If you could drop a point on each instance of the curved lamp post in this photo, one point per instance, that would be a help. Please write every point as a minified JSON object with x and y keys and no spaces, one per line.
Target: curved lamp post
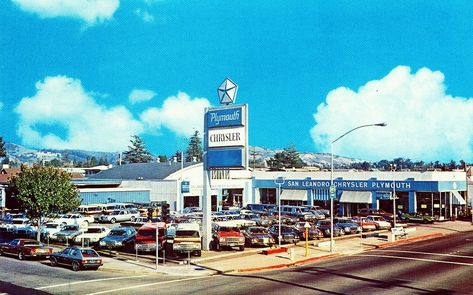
{"x":332,"y":188}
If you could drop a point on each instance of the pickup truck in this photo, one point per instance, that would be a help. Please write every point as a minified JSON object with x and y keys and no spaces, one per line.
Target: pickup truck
{"x":120,"y":215}
{"x":227,"y":236}
{"x":146,"y":237}
{"x":187,"y":239}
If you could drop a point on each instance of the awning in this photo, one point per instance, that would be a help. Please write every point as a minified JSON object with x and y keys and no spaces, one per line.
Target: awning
{"x":458,"y":199}
{"x":294,"y":195}
{"x":363,"y":197}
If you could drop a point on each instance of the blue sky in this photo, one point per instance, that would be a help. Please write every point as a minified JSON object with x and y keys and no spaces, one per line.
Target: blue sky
{"x":88,"y":74}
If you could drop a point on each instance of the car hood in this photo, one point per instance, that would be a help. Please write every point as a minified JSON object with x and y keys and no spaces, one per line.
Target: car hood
{"x":68,"y":233}
{"x":229,"y":234}
{"x":259,"y":236}
{"x":115,"y":238}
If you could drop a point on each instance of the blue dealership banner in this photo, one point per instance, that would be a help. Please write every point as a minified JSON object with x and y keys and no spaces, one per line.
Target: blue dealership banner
{"x":185,"y":186}
{"x":225,"y":117}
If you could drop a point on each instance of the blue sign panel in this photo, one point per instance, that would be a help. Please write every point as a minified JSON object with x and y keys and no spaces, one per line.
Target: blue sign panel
{"x":226,"y":158}
{"x":185,"y":186}
{"x":225,"y":117}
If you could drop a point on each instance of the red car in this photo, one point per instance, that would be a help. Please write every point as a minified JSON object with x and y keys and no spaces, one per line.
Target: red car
{"x":371,"y":211}
{"x":23,"y":248}
{"x":366,"y":225}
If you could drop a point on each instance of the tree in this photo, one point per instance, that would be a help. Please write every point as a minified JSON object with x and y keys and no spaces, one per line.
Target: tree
{"x":137,"y":152}
{"x":195,"y":148}
{"x":288,"y":158}
{"x":3,"y":151}
{"x":162,"y":158}
{"x":44,"y":192}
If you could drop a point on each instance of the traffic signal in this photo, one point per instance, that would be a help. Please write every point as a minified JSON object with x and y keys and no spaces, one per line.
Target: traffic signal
{"x":165,"y":211}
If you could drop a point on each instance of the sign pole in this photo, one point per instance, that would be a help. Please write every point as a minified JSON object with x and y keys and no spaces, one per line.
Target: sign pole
{"x":307,"y":226}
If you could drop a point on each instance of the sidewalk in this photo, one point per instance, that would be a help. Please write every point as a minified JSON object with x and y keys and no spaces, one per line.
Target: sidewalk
{"x":253,"y":260}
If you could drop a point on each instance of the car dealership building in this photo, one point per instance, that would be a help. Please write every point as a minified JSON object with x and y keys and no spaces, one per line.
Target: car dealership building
{"x":437,"y":193}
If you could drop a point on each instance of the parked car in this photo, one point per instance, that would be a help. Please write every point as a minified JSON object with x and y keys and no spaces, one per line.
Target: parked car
{"x":23,"y":248}
{"x":92,"y":235}
{"x":28,"y":231}
{"x":260,"y":221}
{"x":13,"y":224}
{"x":288,"y":234}
{"x":77,"y":258}
{"x":49,"y":229}
{"x":74,"y":218}
{"x":348,"y":226}
{"x":68,"y":233}
{"x":120,"y":215}
{"x":366,"y":225}
{"x":314,"y":232}
{"x":137,"y":223}
{"x":119,"y":237}
{"x":381,"y":223}
{"x":372,"y":211}
{"x":417,"y":218}
{"x":227,"y":236}
{"x":325,"y":227}
{"x":187,"y":238}
{"x":258,"y":236}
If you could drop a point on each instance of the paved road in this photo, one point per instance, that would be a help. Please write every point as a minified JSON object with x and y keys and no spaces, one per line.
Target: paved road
{"x":440,"y":266}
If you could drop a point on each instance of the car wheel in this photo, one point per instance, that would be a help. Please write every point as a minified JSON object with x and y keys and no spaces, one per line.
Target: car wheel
{"x":21,"y":256}
{"x":1,"y":253}
{"x":241,"y":248}
{"x":198,"y":253}
{"x":112,"y":220}
{"x":132,"y":219}
{"x":53,"y":261}
{"x":75,"y":266}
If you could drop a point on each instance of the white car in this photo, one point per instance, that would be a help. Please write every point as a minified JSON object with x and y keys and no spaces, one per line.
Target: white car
{"x":381,"y":223}
{"x":15,"y":223}
{"x":93,"y":234}
{"x":50,"y":228}
{"x":120,"y":215}
{"x":74,"y":218}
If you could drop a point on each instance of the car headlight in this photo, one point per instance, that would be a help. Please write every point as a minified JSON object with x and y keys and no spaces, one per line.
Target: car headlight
{"x":102,"y":243}
{"x":254,"y":240}
{"x":221,"y":239}
{"x":241,"y":239}
{"x":347,"y":228}
{"x":327,"y":231}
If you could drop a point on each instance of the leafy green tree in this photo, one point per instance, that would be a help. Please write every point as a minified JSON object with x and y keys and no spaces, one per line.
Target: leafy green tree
{"x":44,"y":192}
{"x":288,"y":158}
{"x":162,"y":158}
{"x":137,"y":152}
{"x":54,"y":163}
{"x":195,"y":148}
{"x":3,"y":151}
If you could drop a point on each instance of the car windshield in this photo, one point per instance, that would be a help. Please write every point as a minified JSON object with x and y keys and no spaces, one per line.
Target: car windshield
{"x":324,"y":223}
{"x":187,"y":233}
{"x":150,"y":232}
{"x":70,"y":227}
{"x":18,"y":221}
{"x":118,"y":233}
{"x":89,"y":253}
{"x":258,"y":230}
{"x":51,"y":225}
{"x":94,"y":230}
{"x":116,"y":212}
{"x":229,"y":229}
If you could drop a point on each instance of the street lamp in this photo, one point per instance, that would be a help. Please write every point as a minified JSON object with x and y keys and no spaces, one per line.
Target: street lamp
{"x":279,"y":181}
{"x":332,"y":187}
{"x":393,"y":168}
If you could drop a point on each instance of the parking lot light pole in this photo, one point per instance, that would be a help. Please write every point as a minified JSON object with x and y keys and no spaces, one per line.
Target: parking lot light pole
{"x":279,"y":181}
{"x":331,"y":175}
{"x":393,"y":169}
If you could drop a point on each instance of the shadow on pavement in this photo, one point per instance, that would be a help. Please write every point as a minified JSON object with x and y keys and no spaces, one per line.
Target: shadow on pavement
{"x":12,"y":289}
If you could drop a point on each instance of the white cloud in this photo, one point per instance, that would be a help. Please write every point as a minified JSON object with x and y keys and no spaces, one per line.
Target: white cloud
{"x":145,"y":15}
{"x":62,"y":102}
{"x":424,"y":123}
{"x":141,"y":95}
{"x":180,"y":114}
{"x":90,"y":11}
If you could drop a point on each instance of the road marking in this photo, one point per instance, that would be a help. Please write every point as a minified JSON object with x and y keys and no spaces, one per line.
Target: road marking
{"x":427,"y":253}
{"x":88,"y":281}
{"x":416,"y":259}
{"x":147,"y":285}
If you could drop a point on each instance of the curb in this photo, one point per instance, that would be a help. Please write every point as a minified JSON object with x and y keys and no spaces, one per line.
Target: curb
{"x":285,"y":265}
{"x":410,"y":240}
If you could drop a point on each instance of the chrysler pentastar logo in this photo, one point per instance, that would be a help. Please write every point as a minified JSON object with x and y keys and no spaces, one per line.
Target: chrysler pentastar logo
{"x":227,"y":91}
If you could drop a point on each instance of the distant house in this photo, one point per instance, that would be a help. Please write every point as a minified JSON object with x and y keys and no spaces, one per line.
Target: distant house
{"x":5,"y":174}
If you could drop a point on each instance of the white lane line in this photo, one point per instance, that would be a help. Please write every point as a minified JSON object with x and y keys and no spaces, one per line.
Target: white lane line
{"x":147,"y":285}
{"x":88,"y":281}
{"x":427,"y":253}
{"x":416,"y":259}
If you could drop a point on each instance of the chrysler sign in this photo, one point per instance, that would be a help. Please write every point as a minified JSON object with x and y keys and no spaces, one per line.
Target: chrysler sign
{"x":227,"y":137}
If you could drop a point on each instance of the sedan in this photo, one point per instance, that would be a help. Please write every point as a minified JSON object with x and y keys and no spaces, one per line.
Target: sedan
{"x":288,"y":234}
{"x":77,"y":258}
{"x":23,"y":248}
{"x":314,"y":232}
{"x":258,"y":236}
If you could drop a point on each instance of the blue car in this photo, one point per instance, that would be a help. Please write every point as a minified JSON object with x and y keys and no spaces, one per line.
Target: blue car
{"x":119,"y":237}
